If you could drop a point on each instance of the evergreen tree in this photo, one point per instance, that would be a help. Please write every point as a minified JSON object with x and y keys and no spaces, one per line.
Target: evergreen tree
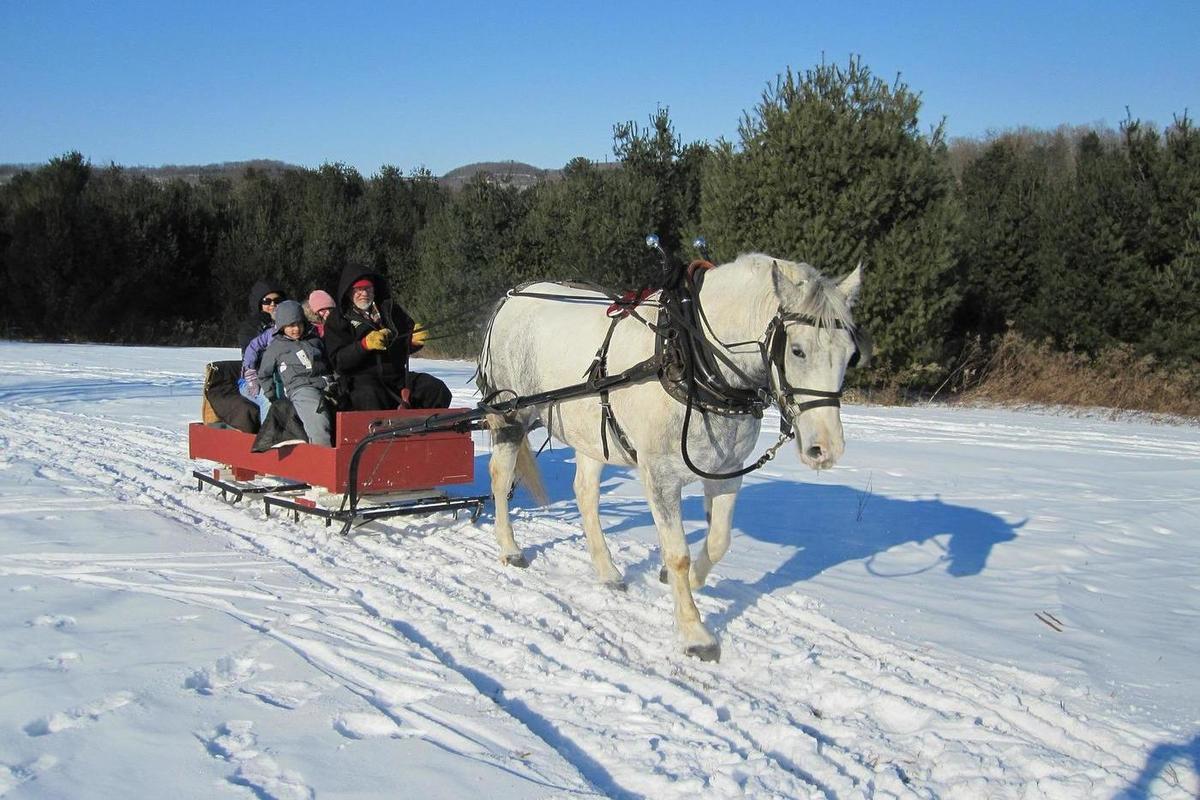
{"x":46,"y":215}
{"x":261,"y":241}
{"x":1094,"y":285}
{"x":590,"y":225}
{"x":831,"y":169}
{"x":328,"y":207}
{"x":1003,"y":199}
{"x":397,"y":207}
{"x":468,"y":254}
{"x":1173,"y":245}
{"x":657,"y":161}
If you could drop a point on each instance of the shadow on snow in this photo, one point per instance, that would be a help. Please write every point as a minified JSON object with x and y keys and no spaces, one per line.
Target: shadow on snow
{"x":1161,"y":768}
{"x":824,"y":524}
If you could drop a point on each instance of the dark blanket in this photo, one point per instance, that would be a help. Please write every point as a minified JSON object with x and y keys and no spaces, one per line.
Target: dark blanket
{"x":281,"y":427}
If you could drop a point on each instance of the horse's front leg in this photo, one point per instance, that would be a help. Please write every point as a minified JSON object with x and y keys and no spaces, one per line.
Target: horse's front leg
{"x":587,"y":496}
{"x":507,"y":441}
{"x":664,"y":492}
{"x":719,"y":499}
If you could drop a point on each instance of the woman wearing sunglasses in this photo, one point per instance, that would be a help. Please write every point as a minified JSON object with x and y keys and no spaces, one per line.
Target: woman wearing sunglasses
{"x":263,"y":295}
{"x":253,"y":337}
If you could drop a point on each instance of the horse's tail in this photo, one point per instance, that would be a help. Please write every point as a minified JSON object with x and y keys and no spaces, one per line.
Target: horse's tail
{"x":526,"y":470}
{"x":528,"y":473}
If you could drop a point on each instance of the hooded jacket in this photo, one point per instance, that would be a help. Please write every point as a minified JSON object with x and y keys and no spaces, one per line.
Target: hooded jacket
{"x":344,"y":333}
{"x":257,"y":320}
{"x":300,"y":362}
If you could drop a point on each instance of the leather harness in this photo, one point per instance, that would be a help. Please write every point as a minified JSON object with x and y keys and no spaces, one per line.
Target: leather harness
{"x":686,"y":363}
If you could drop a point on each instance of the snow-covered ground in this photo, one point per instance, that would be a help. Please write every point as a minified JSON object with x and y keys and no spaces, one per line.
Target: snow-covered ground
{"x":974,"y":603}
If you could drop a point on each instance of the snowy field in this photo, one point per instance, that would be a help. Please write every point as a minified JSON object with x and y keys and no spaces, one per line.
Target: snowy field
{"x":973,"y":604}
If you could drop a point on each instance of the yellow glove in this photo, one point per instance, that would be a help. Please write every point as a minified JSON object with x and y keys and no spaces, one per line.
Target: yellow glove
{"x":377,"y":340}
{"x":419,"y":335}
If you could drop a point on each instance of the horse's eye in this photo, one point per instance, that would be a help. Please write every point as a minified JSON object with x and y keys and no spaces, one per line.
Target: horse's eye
{"x":854,"y":359}
{"x":797,"y":352}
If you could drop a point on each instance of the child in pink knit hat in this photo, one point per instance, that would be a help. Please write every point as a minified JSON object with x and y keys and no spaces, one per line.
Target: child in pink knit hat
{"x":321,"y":303}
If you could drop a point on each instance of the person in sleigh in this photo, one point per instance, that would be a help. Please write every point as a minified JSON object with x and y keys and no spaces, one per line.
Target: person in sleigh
{"x":369,"y":343}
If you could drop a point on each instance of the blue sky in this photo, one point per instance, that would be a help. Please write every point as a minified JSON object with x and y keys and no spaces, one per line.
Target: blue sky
{"x":445,"y":84}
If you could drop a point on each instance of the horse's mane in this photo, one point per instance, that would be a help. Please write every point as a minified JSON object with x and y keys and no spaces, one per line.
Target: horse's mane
{"x":819,"y":295}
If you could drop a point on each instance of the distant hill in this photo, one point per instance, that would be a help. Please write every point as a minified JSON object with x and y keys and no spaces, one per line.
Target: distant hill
{"x":512,"y":173}
{"x":192,"y":173}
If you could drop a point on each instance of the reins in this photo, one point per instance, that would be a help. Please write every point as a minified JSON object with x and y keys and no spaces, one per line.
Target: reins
{"x":685,"y":362}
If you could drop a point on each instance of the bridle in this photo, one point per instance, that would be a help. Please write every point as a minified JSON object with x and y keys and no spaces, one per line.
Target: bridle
{"x":781,"y":389}
{"x":772,"y":346}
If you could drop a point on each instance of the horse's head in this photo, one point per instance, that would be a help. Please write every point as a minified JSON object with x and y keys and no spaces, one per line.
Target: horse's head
{"x":813,"y":345}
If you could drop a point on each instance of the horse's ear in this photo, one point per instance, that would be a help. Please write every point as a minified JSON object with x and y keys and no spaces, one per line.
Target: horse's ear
{"x":850,"y":284}
{"x":785,"y":288}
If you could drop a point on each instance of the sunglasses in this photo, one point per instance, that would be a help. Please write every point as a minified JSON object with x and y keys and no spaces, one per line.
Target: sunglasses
{"x":272,"y":301}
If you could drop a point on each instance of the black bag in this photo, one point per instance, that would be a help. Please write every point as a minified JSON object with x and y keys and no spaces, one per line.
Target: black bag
{"x":223,"y":402}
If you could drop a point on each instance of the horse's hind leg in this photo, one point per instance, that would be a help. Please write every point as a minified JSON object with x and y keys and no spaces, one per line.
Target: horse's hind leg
{"x":719,"y":499}
{"x":587,"y":496}
{"x":507,"y":441}
{"x":663,"y":492}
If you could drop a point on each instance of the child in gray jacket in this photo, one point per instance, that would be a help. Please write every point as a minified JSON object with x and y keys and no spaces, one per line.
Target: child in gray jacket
{"x":298,"y":354}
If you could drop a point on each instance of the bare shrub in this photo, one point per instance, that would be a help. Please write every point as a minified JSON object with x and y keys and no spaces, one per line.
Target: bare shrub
{"x":1021,"y":370}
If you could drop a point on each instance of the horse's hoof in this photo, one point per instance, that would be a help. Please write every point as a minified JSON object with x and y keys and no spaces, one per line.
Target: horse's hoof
{"x":517,"y":560}
{"x":704,"y":652}
{"x":617,"y":586}
{"x":662,"y":575}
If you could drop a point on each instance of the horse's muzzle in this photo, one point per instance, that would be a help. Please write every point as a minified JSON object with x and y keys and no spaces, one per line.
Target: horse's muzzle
{"x":822,"y":445}
{"x":818,"y":457}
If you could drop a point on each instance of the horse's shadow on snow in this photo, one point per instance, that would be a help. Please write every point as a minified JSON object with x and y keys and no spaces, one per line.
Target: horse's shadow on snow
{"x":819,"y":526}
{"x":826,"y":525}
{"x":1161,"y":768}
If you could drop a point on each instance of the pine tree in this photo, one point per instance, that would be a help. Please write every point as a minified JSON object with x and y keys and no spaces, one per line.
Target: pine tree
{"x":831,"y":169}
{"x":467,"y":255}
{"x":46,"y":218}
{"x":1174,"y":250}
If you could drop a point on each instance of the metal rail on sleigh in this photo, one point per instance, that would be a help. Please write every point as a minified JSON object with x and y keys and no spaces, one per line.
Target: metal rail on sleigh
{"x":471,"y":420}
{"x":290,"y":496}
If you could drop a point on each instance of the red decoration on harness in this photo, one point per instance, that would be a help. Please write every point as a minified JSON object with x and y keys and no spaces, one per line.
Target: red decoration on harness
{"x":627,"y":302}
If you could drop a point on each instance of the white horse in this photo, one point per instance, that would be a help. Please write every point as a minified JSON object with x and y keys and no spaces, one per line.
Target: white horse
{"x":535,"y":344}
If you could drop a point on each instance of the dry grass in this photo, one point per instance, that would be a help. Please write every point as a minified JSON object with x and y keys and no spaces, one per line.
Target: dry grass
{"x":1022,"y":371}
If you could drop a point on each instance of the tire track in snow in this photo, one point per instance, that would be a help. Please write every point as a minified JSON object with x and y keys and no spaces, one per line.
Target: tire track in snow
{"x":610,"y":660}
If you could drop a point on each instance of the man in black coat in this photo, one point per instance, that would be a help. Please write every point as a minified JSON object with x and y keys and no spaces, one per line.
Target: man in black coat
{"x":369,"y":343}
{"x":263,"y":298}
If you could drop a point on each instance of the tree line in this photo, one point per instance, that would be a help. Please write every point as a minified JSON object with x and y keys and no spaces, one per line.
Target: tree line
{"x":1086,"y":238}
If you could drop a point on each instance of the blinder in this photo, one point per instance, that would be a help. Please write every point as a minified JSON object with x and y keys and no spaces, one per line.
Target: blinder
{"x":864,"y":348}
